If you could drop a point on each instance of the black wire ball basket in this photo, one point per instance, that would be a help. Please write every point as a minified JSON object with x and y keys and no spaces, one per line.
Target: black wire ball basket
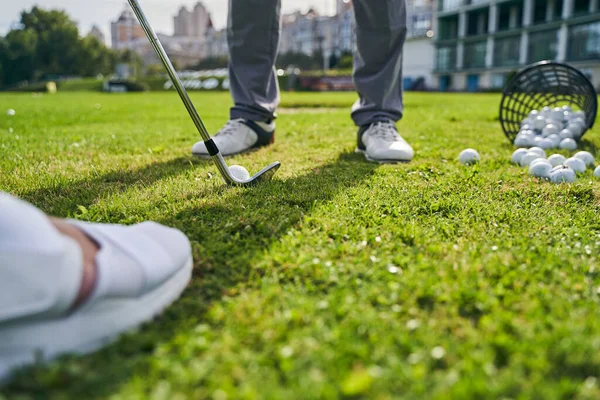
{"x":546,"y":84}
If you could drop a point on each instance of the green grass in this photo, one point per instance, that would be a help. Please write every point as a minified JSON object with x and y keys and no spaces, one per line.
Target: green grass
{"x":340,"y":278}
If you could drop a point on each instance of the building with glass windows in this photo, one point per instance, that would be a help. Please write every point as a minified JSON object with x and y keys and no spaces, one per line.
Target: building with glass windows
{"x":479,"y":44}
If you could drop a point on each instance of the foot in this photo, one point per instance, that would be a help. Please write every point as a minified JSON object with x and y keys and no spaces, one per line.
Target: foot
{"x":239,"y":136}
{"x":73,"y":287}
{"x":381,"y":142}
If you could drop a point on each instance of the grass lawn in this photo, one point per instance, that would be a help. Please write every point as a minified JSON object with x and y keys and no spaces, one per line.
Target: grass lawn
{"x":340,"y":278}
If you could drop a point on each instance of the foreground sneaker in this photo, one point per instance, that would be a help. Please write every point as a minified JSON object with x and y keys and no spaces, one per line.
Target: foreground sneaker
{"x":381,"y":142}
{"x":140,"y":270}
{"x":239,"y":136}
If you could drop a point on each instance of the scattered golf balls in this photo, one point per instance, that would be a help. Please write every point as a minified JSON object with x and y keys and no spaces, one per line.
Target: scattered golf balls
{"x":576,"y":165}
{"x":586,"y":157}
{"x":562,"y":174}
{"x":239,"y":172}
{"x":597,"y":172}
{"x":469,"y":157}
{"x":10,"y":112}
{"x":557,"y":159}
{"x":518,"y":155}
{"x":568,"y":144}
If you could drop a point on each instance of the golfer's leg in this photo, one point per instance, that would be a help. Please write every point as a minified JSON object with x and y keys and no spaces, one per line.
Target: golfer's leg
{"x":381,"y":31}
{"x":253,"y":37}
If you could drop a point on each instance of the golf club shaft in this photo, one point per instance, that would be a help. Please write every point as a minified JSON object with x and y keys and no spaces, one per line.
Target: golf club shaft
{"x":164,"y":58}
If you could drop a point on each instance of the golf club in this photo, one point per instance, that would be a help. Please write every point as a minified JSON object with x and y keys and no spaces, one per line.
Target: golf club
{"x":265,"y":174}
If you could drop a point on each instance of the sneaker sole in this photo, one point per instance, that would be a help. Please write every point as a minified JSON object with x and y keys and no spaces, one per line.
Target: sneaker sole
{"x":88,"y":329}
{"x":363,"y":152}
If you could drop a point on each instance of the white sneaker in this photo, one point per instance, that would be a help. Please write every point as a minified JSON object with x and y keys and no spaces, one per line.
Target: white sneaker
{"x":141,"y":270}
{"x":381,"y":142}
{"x":239,"y":136}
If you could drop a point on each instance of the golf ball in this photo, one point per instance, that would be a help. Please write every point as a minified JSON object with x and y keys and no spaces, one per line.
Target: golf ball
{"x":566,"y":134}
{"x":10,"y":112}
{"x":533,"y":114}
{"x":555,"y":140}
{"x":575,"y":128}
{"x":579,"y":114}
{"x":539,"y":123}
{"x":586,"y":157}
{"x":562,"y":174}
{"x":567,"y":108}
{"x":239,"y":172}
{"x":528,"y":158}
{"x":557,"y":114}
{"x":540,"y":169}
{"x":523,"y":140}
{"x":546,"y":144}
{"x":568,"y":144}
{"x":557,"y":159}
{"x":518,"y":155}
{"x":546,"y":111}
{"x":597,"y":172}
{"x":538,"y":150}
{"x":575,"y":164}
{"x":469,"y":157}
{"x":550,"y":129}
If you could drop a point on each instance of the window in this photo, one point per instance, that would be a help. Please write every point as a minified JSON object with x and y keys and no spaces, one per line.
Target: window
{"x":507,"y":51}
{"x":543,"y":45}
{"x":498,"y":81}
{"x":584,"y":42}
{"x":477,"y":22}
{"x":581,"y":7}
{"x":510,"y":16}
{"x":448,"y":28}
{"x":446,"y":5}
{"x":539,"y":11}
{"x":475,"y":54}
{"x":446,"y":58}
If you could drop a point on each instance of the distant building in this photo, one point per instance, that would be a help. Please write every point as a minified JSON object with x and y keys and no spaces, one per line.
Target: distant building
{"x":193,"y":23}
{"x":480,"y":44}
{"x":97,"y":33}
{"x":216,"y":43}
{"x":126,"y":31}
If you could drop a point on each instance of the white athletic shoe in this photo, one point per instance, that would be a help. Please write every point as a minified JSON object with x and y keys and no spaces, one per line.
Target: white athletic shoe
{"x":239,"y":136}
{"x":381,"y":142}
{"x":141,"y":270}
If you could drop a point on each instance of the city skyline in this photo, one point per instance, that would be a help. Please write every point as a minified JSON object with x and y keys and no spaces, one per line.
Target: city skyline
{"x":159,"y":12}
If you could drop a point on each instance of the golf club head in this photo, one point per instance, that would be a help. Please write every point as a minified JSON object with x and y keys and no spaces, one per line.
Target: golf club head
{"x":263,"y":175}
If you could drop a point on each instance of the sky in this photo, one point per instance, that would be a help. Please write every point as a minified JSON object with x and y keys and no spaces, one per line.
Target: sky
{"x":159,"y":12}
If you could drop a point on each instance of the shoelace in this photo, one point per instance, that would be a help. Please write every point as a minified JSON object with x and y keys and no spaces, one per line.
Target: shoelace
{"x":230,"y":128}
{"x":384,"y":130}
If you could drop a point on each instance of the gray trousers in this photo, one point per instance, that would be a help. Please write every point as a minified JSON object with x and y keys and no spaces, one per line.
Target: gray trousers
{"x":253,"y":36}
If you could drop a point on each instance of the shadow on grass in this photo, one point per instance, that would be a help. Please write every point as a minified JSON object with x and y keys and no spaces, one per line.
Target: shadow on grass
{"x":228,"y":239}
{"x":61,"y":198}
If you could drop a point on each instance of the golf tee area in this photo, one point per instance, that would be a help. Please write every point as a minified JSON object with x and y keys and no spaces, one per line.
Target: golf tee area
{"x":339,"y":278}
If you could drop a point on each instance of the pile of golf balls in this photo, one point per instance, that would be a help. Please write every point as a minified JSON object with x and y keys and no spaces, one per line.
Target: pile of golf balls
{"x":552,"y":128}
{"x":556,"y":168}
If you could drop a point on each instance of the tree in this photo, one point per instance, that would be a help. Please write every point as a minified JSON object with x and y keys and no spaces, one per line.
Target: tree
{"x":17,"y":56}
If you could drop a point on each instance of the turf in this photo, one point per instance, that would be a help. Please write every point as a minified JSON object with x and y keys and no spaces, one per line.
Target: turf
{"x":340,"y":278}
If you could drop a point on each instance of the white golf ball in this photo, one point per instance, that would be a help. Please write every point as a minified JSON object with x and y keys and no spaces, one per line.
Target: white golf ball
{"x":239,"y":172}
{"x":538,"y":150}
{"x":555,"y":140}
{"x":550,"y":129}
{"x":546,"y":144}
{"x":539,"y":123}
{"x":557,"y":159}
{"x":533,"y":114}
{"x":575,"y":164}
{"x":575,"y":128}
{"x":540,"y":169}
{"x":517,"y":155}
{"x":469,"y":157}
{"x":567,"y":108}
{"x":523,"y":140}
{"x":579,"y":114}
{"x":546,"y":111}
{"x":568,"y":144}
{"x":537,"y":139}
{"x":10,"y":112}
{"x":566,"y":134}
{"x":597,"y":172}
{"x":526,"y":121}
{"x":557,"y":114}
{"x":586,"y":157}
{"x":562,"y":174}
{"x":528,"y":158}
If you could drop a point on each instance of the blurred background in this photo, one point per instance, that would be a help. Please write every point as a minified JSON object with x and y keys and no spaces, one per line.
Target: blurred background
{"x":452,"y":45}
